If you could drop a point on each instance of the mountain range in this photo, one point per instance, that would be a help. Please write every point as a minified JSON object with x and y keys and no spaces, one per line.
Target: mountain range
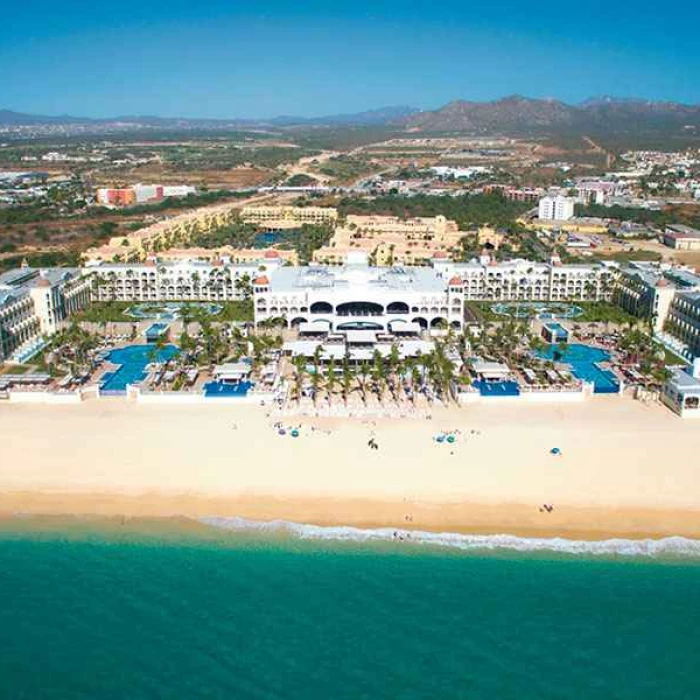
{"x":514,"y":115}
{"x":523,"y":115}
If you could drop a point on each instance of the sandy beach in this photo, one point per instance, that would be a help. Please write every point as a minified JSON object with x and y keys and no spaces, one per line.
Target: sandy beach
{"x":626,"y":469}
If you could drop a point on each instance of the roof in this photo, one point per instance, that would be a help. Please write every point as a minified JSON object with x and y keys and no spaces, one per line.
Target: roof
{"x":364,"y":278}
{"x":455,"y":282}
{"x":491,"y":369}
{"x":682,"y":379}
{"x":681,"y":231}
{"x":361,"y":336}
{"x":261,"y":281}
{"x":233,"y":370}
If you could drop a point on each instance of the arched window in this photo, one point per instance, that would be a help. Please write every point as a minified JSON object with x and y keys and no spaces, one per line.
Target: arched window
{"x":359,"y":308}
{"x":321,"y":307}
{"x":397,"y":307}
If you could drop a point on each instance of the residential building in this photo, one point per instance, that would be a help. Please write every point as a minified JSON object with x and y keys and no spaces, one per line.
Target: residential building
{"x":556,"y":208}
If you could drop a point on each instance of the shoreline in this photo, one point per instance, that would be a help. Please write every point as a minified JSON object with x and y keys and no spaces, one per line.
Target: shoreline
{"x":592,"y":524}
{"x":625,"y":470}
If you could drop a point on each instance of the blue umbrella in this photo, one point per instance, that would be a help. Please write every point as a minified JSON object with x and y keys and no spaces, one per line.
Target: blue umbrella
{"x":555,"y":451}
{"x":295,"y":433}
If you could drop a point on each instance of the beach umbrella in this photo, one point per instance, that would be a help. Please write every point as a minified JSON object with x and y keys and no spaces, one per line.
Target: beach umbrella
{"x":282,"y":431}
{"x":440,"y":438}
{"x":295,"y":433}
{"x":555,"y":451}
{"x":450,"y":438}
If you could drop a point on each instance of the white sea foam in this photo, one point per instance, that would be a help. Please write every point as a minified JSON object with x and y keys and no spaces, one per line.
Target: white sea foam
{"x":664,"y":547}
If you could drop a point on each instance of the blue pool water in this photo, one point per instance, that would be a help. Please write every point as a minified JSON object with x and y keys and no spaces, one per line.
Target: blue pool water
{"x":557,"y":332}
{"x":132,"y":361}
{"x":497,"y":388}
{"x":543,"y":311}
{"x":218,"y":389}
{"x":169,"y":311}
{"x":583,"y":359}
{"x":155,"y":331}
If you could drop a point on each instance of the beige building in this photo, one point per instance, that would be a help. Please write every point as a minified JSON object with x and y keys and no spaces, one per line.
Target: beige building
{"x":389,"y":239}
{"x":489,"y":236}
{"x":237,"y":256}
{"x":163,"y":234}
{"x":275,"y":218}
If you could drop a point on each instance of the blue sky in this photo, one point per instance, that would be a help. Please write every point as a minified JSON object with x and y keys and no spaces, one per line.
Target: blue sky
{"x":233,"y":59}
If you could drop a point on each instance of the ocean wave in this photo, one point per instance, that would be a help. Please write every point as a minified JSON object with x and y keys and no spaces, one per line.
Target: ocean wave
{"x":655,"y":548}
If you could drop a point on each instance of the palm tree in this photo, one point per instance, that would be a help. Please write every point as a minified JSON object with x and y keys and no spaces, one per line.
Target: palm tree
{"x":394,"y":360}
{"x":362,"y":374}
{"x":316,"y":377}
{"x":331,"y":379}
{"x":299,"y":363}
{"x":346,"y":377}
{"x":378,"y":374}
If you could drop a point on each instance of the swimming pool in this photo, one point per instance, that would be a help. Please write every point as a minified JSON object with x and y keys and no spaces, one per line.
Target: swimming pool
{"x":132,"y":361}
{"x":583,"y":359}
{"x":156,"y":331}
{"x":219,"y":389}
{"x":556,"y":333}
{"x":543,"y":311}
{"x":169,"y":311}
{"x":497,"y":388}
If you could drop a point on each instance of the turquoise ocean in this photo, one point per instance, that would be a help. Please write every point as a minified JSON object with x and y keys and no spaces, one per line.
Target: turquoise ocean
{"x":277,"y":612}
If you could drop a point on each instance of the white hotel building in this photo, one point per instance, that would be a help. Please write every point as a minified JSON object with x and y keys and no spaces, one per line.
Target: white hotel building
{"x":34,"y":303}
{"x":357,"y":296}
{"x":184,"y":280}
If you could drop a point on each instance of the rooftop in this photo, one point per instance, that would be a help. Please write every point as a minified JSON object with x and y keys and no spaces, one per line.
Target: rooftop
{"x":16,"y":283}
{"x":289,"y":279}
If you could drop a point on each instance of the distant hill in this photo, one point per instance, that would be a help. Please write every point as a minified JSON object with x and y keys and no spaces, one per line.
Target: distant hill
{"x":374,"y":117}
{"x":521,"y":115}
{"x":514,"y":115}
{"x":10,"y":118}
{"x":509,"y":113}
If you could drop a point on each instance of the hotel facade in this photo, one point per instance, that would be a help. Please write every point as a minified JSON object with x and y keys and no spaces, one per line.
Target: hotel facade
{"x":390,"y":240}
{"x":34,"y":303}
{"x":669,"y":297}
{"x":357,"y":295}
{"x":273,"y":218}
{"x":185,"y":280}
